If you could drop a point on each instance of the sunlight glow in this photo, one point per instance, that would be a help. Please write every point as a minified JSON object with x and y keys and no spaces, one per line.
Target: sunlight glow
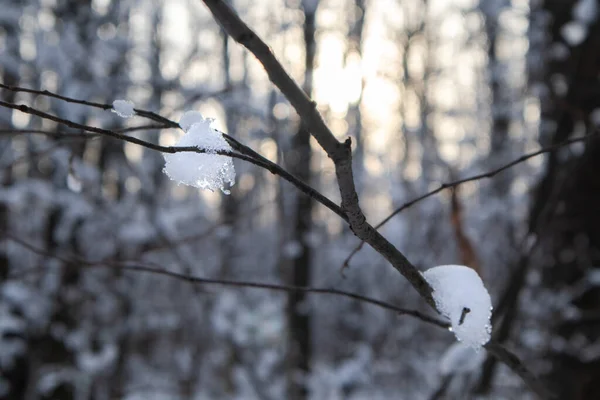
{"x":445,"y":66}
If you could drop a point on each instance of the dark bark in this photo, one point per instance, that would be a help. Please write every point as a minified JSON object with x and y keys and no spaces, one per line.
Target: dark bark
{"x":570,"y":238}
{"x":299,"y":319}
{"x":354,"y":115}
{"x":341,"y":155}
{"x":230,"y":203}
{"x":500,"y":105}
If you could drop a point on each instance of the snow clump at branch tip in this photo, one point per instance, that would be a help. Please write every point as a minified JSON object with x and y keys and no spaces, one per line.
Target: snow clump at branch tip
{"x":123,"y":108}
{"x":460,"y":296}
{"x":202,"y":170}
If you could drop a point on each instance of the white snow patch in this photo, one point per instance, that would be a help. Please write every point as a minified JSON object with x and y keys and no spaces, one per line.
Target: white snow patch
{"x":123,"y":108}
{"x":460,"y":296}
{"x":190,"y":118}
{"x":460,"y":358}
{"x":202,"y":170}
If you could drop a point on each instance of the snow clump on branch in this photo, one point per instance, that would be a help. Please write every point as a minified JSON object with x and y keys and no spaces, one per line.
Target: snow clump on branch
{"x":202,"y":170}
{"x":123,"y":108}
{"x":460,"y":296}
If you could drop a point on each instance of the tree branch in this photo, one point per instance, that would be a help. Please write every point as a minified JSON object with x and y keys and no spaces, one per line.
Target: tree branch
{"x":138,"y":267}
{"x":146,"y":114}
{"x":489,"y":174}
{"x":494,"y":348}
{"x":512,"y":361}
{"x":244,"y":152}
{"x":340,"y":153}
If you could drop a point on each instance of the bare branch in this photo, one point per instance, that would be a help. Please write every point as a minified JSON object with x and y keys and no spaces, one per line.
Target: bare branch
{"x":340,"y":153}
{"x":143,"y":113}
{"x":512,"y":361}
{"x":485,"y":175}
{"x":139,"y":267}
{"x":496,"y":349}
{"x":244,"y":152}
{"x":52,"y":134}
{"x":61,"y":135}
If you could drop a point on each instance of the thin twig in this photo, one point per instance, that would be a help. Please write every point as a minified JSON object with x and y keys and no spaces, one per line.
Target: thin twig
{"x":496,"y":349}
{"x":459,"y":182}
{"x":138,"y":267}
{"x":512,"y":361}
{"x":52,"y":134}
{"x":243,"y":154}
{"x":339,"y":153}
{"x":61,"y":135}
{"x":143,"y":113}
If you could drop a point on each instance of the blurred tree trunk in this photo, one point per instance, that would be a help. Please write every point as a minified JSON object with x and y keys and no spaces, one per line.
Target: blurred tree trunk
{"x":75,"y":13}
{"x":572,"y":234}
{"x":229,"y":203}
{"x":564,"y":209}
{"x":49,"y":349}
{"x":500,"y":106}
{"x":152,"y":161}
{"x":299,"y":321}
{"x":354,"y":116}
{"x":230,"y":209}
{"x":9,"y":77}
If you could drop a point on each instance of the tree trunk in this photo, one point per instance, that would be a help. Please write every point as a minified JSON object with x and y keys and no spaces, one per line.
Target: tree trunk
{"x":299,"y":321}
{"x":570,"y":239}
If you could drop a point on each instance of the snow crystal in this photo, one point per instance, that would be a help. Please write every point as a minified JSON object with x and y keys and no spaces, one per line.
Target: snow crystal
{"x":460,"y":358}
{"x":202,"y":170}
{"x":123,"y":108}
{"x":460,"y":296}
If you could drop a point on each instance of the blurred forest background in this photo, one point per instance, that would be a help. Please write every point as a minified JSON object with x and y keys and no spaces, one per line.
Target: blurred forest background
{"x":430,"y":91}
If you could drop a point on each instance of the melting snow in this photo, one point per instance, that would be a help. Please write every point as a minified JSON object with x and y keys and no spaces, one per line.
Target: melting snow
{"x":460,"y":296}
